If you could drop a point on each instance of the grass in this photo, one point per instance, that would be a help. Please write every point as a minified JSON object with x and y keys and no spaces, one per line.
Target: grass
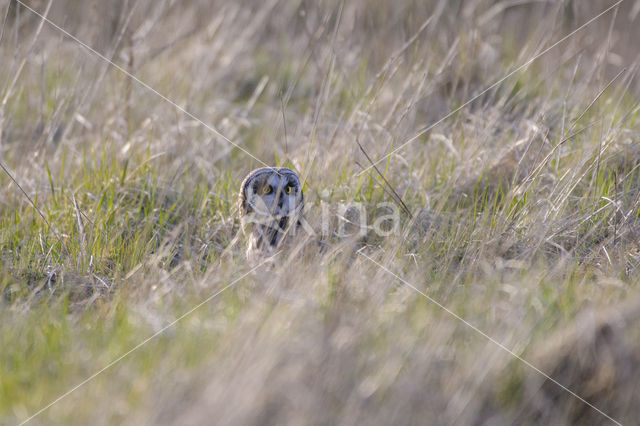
{"x":524,"y":213}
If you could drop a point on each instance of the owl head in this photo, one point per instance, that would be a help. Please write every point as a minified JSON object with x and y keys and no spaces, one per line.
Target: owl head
{"x":270,"y":205}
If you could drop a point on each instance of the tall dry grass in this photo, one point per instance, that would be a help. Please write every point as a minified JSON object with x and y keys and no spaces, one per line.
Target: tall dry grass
{"x":523,"y":200}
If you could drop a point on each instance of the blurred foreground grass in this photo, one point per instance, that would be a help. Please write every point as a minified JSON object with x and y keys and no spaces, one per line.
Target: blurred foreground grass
{"x":524,"y":204}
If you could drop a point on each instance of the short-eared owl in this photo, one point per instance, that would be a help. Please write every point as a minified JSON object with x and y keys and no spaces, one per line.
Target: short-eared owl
{"x":270,"y":205}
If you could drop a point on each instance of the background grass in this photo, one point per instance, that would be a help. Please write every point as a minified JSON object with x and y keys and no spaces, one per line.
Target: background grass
{"x":524,"y":212}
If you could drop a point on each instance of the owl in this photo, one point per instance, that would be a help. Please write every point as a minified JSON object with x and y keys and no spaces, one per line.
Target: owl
{"x":270,"y":205}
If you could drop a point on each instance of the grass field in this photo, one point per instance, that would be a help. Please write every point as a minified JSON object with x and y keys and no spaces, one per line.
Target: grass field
{"x":509,"y":294}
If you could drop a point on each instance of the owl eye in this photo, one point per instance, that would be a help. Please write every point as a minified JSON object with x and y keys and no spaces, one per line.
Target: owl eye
{"x":268,"y":189}
{"x":288,"y":189}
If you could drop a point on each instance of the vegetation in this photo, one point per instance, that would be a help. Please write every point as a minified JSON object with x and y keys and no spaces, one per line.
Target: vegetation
{"x":517,"y":160}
